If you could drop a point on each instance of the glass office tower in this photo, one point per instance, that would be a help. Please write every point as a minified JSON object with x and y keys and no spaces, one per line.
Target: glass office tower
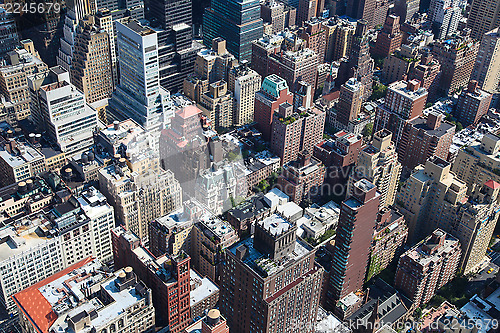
{"x":237,"y":21}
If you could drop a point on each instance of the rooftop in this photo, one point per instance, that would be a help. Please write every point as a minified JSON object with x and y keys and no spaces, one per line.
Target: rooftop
{"x":401,"y":87}
{"x":427,"y":251}
{"x":55,"y":302}
{"x":201,"y":288}
{"x":137,"y":27}
{"x":275,"y":224}
{"x":19,"y":154}
{"x":273,"y":85}
{"x":261,"y":264}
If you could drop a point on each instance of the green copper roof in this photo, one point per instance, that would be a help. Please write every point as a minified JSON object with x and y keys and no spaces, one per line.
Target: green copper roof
{"x":273,"y":84}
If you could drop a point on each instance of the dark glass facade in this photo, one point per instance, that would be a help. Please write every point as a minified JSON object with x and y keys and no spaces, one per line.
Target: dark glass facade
{"x":237,"y":21}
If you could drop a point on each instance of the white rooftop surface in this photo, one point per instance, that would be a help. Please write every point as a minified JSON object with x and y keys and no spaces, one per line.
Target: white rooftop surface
{"x":275,"y":224}
{"x":289,"y":209}
{"x":474,"y":312}
{"x":494,"y":299}
{"x":27,"y":155}
{"x":175,"y":219}
{"x":122,"y":300}
{"x":206,"y":289}
{"x":314,"y":226}
{"x":216,"y":225}
{"x":22,"y":240}
{"x":350,"y":299}
{"x":127,"y":129}
{"x":328,"y":323}
{"x":275,"y":197}
{"x":93,"y":211}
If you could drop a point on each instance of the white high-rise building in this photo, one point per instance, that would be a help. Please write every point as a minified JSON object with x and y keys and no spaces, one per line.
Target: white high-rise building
{"x":139,"y":95}
{"x":41,"y":244}
{"x":246,"y":83}
{"x":65,"y":115}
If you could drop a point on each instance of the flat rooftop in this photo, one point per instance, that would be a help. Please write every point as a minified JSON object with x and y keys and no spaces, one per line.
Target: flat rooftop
{"x":51,"y":303}
{"x":204,"y":288}
{"x":261,"y":264}
{"x":275,"y":224}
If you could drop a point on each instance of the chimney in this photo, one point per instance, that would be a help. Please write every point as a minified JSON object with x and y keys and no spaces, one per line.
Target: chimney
{"x":304,"y":158}
{"x":434,"y":120}
{"x":413,"y":85}
{"x":285,"y":110}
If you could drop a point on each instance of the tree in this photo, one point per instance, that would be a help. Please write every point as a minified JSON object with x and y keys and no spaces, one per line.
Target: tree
{"x":379,"y":61}
{"x":367,"y":132}
{"x":379,"y":91}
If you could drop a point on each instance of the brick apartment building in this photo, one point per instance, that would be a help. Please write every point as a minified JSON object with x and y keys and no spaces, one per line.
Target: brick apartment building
{"x":273,"y":93}
{"x":424,"y":137}
{"x":428,"y":266}
{"x":473,"y":103}
{"x":168,"y":277}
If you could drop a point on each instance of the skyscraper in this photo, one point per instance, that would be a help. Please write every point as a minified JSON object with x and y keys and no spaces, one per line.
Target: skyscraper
{"x":307,"y":9}
{"x":77,"y":11}
{"x":45,"y":28}
{"x":245,"y":82}
{"x":283,"y":292}
{"x":294,"y":131}
{"x":359,"y":64}
{"x":64,"y":113}
{"x":473,"y":103}
{"x":168,"y":277}
{"x":379,"y":164}
{"x":176,"y":47}
{"x":404,"y":101}
{"x":424,"y":137}
{"x":429,"y":197}
{"x":456,"y":56}
{"x":428,"y":266}
{"x":295,"y":66}
{"x":237,"y":21}
{"x":487,"y":68}
{"x":476,"y":164}
{"x":91,"y":69}
{"x":273,"y":93}
{"x":315,"y":36}
{"x":139,"y":95}
{"x":406,"y":9}
{"x":167,"y":13}
{"x":272,"y":12}
{"x":389,"y":39}
{"x":484,"y":16}
{"x":349,"y":104}
{"x":361,"y":9}
{"x":217,"y":104}
{"x":140,"y":197}
{"x":9,"y":38}
{"x":14,"y":75}
{"x":428,"y":72}
{"x":104,"y":21}
{"x":357,"y":220}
